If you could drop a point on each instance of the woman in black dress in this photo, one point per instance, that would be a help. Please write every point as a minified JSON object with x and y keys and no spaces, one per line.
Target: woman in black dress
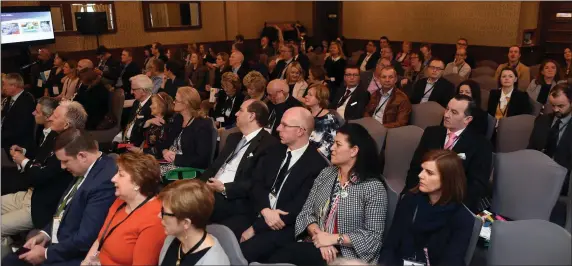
{"x":335,"y":65}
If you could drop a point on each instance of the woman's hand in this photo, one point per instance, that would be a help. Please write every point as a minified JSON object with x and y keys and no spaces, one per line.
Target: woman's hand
{"x":158,"y":121}
{"x":329,"y":253}
{"x":169,"y":156}
{"x":135,"y":149}
{"x":323,"y":239}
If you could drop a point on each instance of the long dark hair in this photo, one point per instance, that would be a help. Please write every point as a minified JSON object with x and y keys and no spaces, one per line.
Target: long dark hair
{"x":475,"y":90}
{"x":540,"y":77}
{"x":367,"y":163}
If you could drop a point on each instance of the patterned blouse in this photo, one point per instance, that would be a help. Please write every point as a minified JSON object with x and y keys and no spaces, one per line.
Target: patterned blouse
{"x":325,"y":128}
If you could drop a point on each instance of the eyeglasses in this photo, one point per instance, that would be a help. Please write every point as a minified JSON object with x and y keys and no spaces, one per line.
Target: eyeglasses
{"x":462,"y":44}
{"x":284,"y":125}
{"x":459,"y":55}
{"x":163,"y":213}
{"x":177,"y":101}
{"x":434,"y":68}
{"x":351,"y":75}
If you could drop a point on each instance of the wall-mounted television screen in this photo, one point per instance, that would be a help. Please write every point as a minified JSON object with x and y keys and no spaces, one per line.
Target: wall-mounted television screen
{"x":27,"y":25}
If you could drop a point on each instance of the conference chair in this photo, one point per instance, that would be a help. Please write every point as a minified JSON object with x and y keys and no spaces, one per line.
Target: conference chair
{"x":454,"y":78}
{"x":375,"y":129}
{"x":486,"y":82}
{"x":482,"y":71}
{"x":400,"y":146}
{"x":536,"y":107}
{"x":228,"y":241}
{"x":392,"y":200}
{"x":491,"y":122}
{"x":488,"y":63}
{"x":224,"y":136}
{"x":513,"y":133}
{"x":426,"y":114}
{"x":485,"y":94}
{"x":474,"y":236}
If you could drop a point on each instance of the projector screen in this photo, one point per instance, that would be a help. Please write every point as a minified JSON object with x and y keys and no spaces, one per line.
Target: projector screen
{"x":27,"y":25}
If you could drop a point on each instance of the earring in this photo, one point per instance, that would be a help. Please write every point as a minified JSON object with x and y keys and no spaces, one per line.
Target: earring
{"x":136,"y":188}
{"x":186,"y":234}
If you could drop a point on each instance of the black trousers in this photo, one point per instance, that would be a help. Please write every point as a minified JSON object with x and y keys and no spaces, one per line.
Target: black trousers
{"x":298,"y":253}
{"x":13,"y":181}
{"x":262,"y":245}
{"x":237,"y":224}
{"x":226,"y":208}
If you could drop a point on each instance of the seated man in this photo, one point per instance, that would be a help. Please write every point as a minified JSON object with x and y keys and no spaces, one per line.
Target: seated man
{"x":81,"y":212}
{"x":473,"y":148}
{"x":389,"y":105}
{"x":434,"y":88}
{"x":35,"y":207}
{"x":368,"y":60}
{"x":141,"y":88}
{"x":17,"y":119}
{"x":514,"y":62}
{"x":350,"y":102}
{"x":280,"y":101}
{"x":552,"y":134}
{"x":231,"y":173}
{"x":284,"y":180}
{"x":459,"y":66}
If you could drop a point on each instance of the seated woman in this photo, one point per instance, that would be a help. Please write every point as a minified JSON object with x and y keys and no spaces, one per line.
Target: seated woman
{"x":295,"y":79}
{"x":69,"y":81}
{"x":221,"y":67}
{"x":255,"y":84}
{"x":317,"y":75}
{"x":547,"y":78}
{"x":197,"y":72}
{"x":431,"y":225}
{"x":206,"y":56}
{"x":228,"y":103}
{"x":94,"y":97}
{"x":335,"y":65}
{"x":508,"y":101}
{"x":157,"y":74}
{"x":156,"y":127}
{"x":344,"y":214}
{"x":325,"y":123}
{"x":174,"y":77}
{"x":187,"y":206}
{"x":54,"y":83}
{"x":189,"y":134}
{"x":131,"y":233}
{"x":403,"y":56}
{"x":480,"y":121}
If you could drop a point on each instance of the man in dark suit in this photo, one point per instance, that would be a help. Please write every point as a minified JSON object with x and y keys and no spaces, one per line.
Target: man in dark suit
{"x":17,"y":118}
{"x":127,"y":70}
{"x":284,"y":180}
{"x":231,"y":173}
{"x":434,"y":88}
{"x":302,"y":59}
{"x":108,"y":68}
{"x":368,"y":60}
{"x":552,"y":133}
{"x":473,"y":148}
{"x":350,"y":102}
{"x":387,"y":53}
{"x":38,"y":72}
{"x":81,"y":212}
{"x":265,"y":47}
{"x":280,"y":101}
{"x":48,"y":181}
{"x":287,"y":55}
{"x":141,"y":88}
{"x":463,"y":43}
{"x":236,"y":61}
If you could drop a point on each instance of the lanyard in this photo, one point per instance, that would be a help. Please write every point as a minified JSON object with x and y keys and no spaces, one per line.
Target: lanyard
{"x":459,"y":68}
{"x":235,"y":152}
{"x":105,"y":234}
{"x":382,"y":104}
{"x":319,"y":113}
{"x":430,"y":89}
{"x":273,"y":189}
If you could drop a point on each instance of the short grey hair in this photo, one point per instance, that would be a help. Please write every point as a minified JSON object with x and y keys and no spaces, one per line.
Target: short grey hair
{"x":47,"y":105}
{"x":142,"y":82}
{"x":75,"y":114}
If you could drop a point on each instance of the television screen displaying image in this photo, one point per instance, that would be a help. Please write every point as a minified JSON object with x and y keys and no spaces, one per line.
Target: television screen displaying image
{"x":27,"y":25}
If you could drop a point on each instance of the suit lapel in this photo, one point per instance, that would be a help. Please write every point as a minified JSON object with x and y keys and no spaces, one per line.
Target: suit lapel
{"x":295,"y":173}
{"x":97,"y":167}
{"x":251,"y":148}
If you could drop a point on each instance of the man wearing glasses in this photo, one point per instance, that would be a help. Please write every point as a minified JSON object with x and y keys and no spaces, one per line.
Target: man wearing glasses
{"x":350,"y":102}
{"x":368,"y":60}
{"x":459,"y":66}
{"x":287,"y":55}
{"x":462,"y":43}
{"x":433,"y":88}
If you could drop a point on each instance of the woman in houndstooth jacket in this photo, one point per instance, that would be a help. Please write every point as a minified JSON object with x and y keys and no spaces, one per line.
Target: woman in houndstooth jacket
{"x":344,"y":214}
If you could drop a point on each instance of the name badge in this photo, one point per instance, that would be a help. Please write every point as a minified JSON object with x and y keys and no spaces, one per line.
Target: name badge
{"x":40,"y":83}
{"x":227,"y":112}
{"x":332,"y":79}
{"x":56,"y":90}
{"x":220,"y":119}
{"x":55,"y":227}
{"x":412,"y":263}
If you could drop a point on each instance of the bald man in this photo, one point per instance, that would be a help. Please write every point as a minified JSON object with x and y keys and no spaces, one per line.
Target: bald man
{"x":285,"y":177}
{"x":40,"y":72}
{"x":280,"y":101}
{"x":236,"y":62}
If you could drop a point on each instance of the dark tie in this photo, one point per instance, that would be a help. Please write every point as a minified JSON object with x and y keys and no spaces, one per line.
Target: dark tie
{"x":552,"y":142}
{"x":345,"y":98}
{"x":271,"y":119}
{"x":282,"y":174}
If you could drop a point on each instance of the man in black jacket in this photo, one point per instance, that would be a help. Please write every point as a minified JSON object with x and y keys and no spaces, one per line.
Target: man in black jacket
{"x":287,"y":55}
{"x":230,"y":175}
{"x":107,"y":68}
{"x":434,"y":88}
{"x":368,"y":60}
{"x":35,"y":207}
{"x":17,"y":119}
{"x":280,"y":101}
{"x":236,"y":61}
{"x":301,"y":58}
{"x":140,"y":112}
{"x":473,"y":148}
{"x":350,"y":102}
{"x":38,"y":72}
{"x":128,"y":69}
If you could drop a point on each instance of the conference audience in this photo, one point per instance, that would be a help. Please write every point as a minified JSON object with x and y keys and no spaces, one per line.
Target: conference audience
{"x":459,"y":66}
{"x":83,"y":64}
{"x":567,"y":66}
{"x":174,"y":77}
{"x":387,"y":53}
{"x":480,"y":123}
{"x":368,"y":60}
{"x":265,"y":47}
{"x":157,"y":74}
{"x":155,"y":128}
{"x":325,"y":122}
{"x":229,"y":102}
{"x":148,"y":56}
{"x":434,"y":87}
{"x":350,"y":102}
{"x":301,"y":58}
{"x":17,"y":108}
{"x":404,"y":57}
{"x":198,"y":73}
{"x":94,"y":97}
{"x":237,"y":66}
{"x":388,"y":104}
{"x":475,"y":150}
{"x":344,"y":214}
{"x":547,"y":78}
{"x":189,"y":134}
{"x":205,"y":55}
{"x":142,"y":89}
{"x":383,"y":42}
{"x":255,"y":84}
{"x":286,"y":58}
{"x":221,"y":67}
{"x":508,"y":100}
{"x":296,"y":82}
{"x":186,"y":206}
{"x":131,"y":233}
{"x":280,"y":101}
{"x":53,"y":85}
{"x":335,"y":65}
{"x":70,"y":81}
{"x":158,"y":52}
{"x":67,"y":238}
{"x":463,"y":43}
{"x":522,"y":71}
{"x":317,"y":75}
{"x":430,"y":224}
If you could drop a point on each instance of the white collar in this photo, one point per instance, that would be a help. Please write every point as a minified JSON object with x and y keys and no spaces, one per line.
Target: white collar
{"x":458,"y":133}
{"x":253,"y":134}
{"x":503,"y":95}
{"x":47,"y":131}
{"x":144,"y":102}
{"x":298,"y":152}
{"x":386,"y":94}
{"x":352,"y":89}
{"x":336,"y":59}
{"x":15,"y":97}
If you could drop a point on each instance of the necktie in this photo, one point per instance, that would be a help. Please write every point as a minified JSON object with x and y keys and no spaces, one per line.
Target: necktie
{"x":452,"y":138}
{"x":552,"y":141}
{"x":125,"y":137}
{"x":345,"y":98}
{"x":239,"y":147}
{"x":66,"y":199}
{"x":271,"y":119}
{"x":282,"y":174}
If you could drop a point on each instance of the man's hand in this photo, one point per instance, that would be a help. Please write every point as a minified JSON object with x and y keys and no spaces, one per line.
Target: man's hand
{"x":246,"y":235}
{"x":272,"y":218}
{"x":18,"y":157}
{"x":39,"y":239}
{"x":36,"y":255}
{"x":215,"y":185}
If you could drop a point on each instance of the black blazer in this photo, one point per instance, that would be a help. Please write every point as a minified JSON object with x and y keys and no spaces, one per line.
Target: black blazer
{"x":35,"y":74}
{"x":131,"y":70}
{"x":95,"y":100}
{"x":223,"y":102}
{"x":55,"y":80}
{"x":519,"y":103}
{"x":110,"y":70}
{"x":218,"y":77}
{"x":539,"y":138}
{"x":277,"y":111}
{"x":371,"y":63}
{"x":356,"y":105}
{"x":171,"y":86}
{"x":477,"y":163}
{"x":18,"y":122}
{"x":242,"y":71}
{"x":280,"y":66}
{"x":335,"y":70}
{"x":196,"y":141}
{"x":49,"y":181}
{"x":480,"y":123}
{"x":296,"y":188}
{"x":243,"y":180}
{"x":442,"y":92}
{"x":139,"y":119}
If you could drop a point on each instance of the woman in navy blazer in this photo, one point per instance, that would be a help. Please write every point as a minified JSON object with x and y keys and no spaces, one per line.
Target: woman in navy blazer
{"x":431,"y":225}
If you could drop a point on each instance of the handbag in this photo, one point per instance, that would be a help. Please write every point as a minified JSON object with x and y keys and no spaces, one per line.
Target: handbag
{"x":183,"y":173}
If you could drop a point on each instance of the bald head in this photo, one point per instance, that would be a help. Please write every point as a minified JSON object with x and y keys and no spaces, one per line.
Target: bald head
{"x":295,"y":127}
{"x":84,"y":63}
{"x":302,"y":116}
{"x":277,"y":91}
{"x":236,"y":59}
{"x":44,"y":54}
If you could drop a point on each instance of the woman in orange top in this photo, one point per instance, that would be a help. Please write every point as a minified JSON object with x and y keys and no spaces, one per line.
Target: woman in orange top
{"x":132,"y":234}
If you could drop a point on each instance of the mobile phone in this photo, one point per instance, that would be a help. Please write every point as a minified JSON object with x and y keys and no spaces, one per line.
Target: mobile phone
{"x":22,"y":250}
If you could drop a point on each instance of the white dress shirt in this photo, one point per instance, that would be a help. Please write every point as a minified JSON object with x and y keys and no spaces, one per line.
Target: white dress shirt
{"x":342,"y":109}
{"x":128,"y":133}
{"x":296,"y":155}
{"x":429,"y":88}
{"x":227,"y":172}
{"x":46,"y":132}
{"x":503,"y":99}
{"x":364,"y":63}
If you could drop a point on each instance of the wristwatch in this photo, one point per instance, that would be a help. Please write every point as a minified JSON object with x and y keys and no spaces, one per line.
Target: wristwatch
{"x":340,"y":239}
{"x":223,"y":192}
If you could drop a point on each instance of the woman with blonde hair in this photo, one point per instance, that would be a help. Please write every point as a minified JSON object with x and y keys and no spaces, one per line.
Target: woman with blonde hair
{"x":325,"y":123}
{"x":189,"y":134}
{"x":335,"y":65}
{"x":255,"y":84}
{"x":69,"y":81}
{"x":295,"y":79}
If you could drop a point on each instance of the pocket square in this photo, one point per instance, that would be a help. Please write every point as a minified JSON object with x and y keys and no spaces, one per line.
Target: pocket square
{"x":462,"y":156}
{"x":354,"y":103}
{"x":250,"y":155}
{"x":140,"y":116}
